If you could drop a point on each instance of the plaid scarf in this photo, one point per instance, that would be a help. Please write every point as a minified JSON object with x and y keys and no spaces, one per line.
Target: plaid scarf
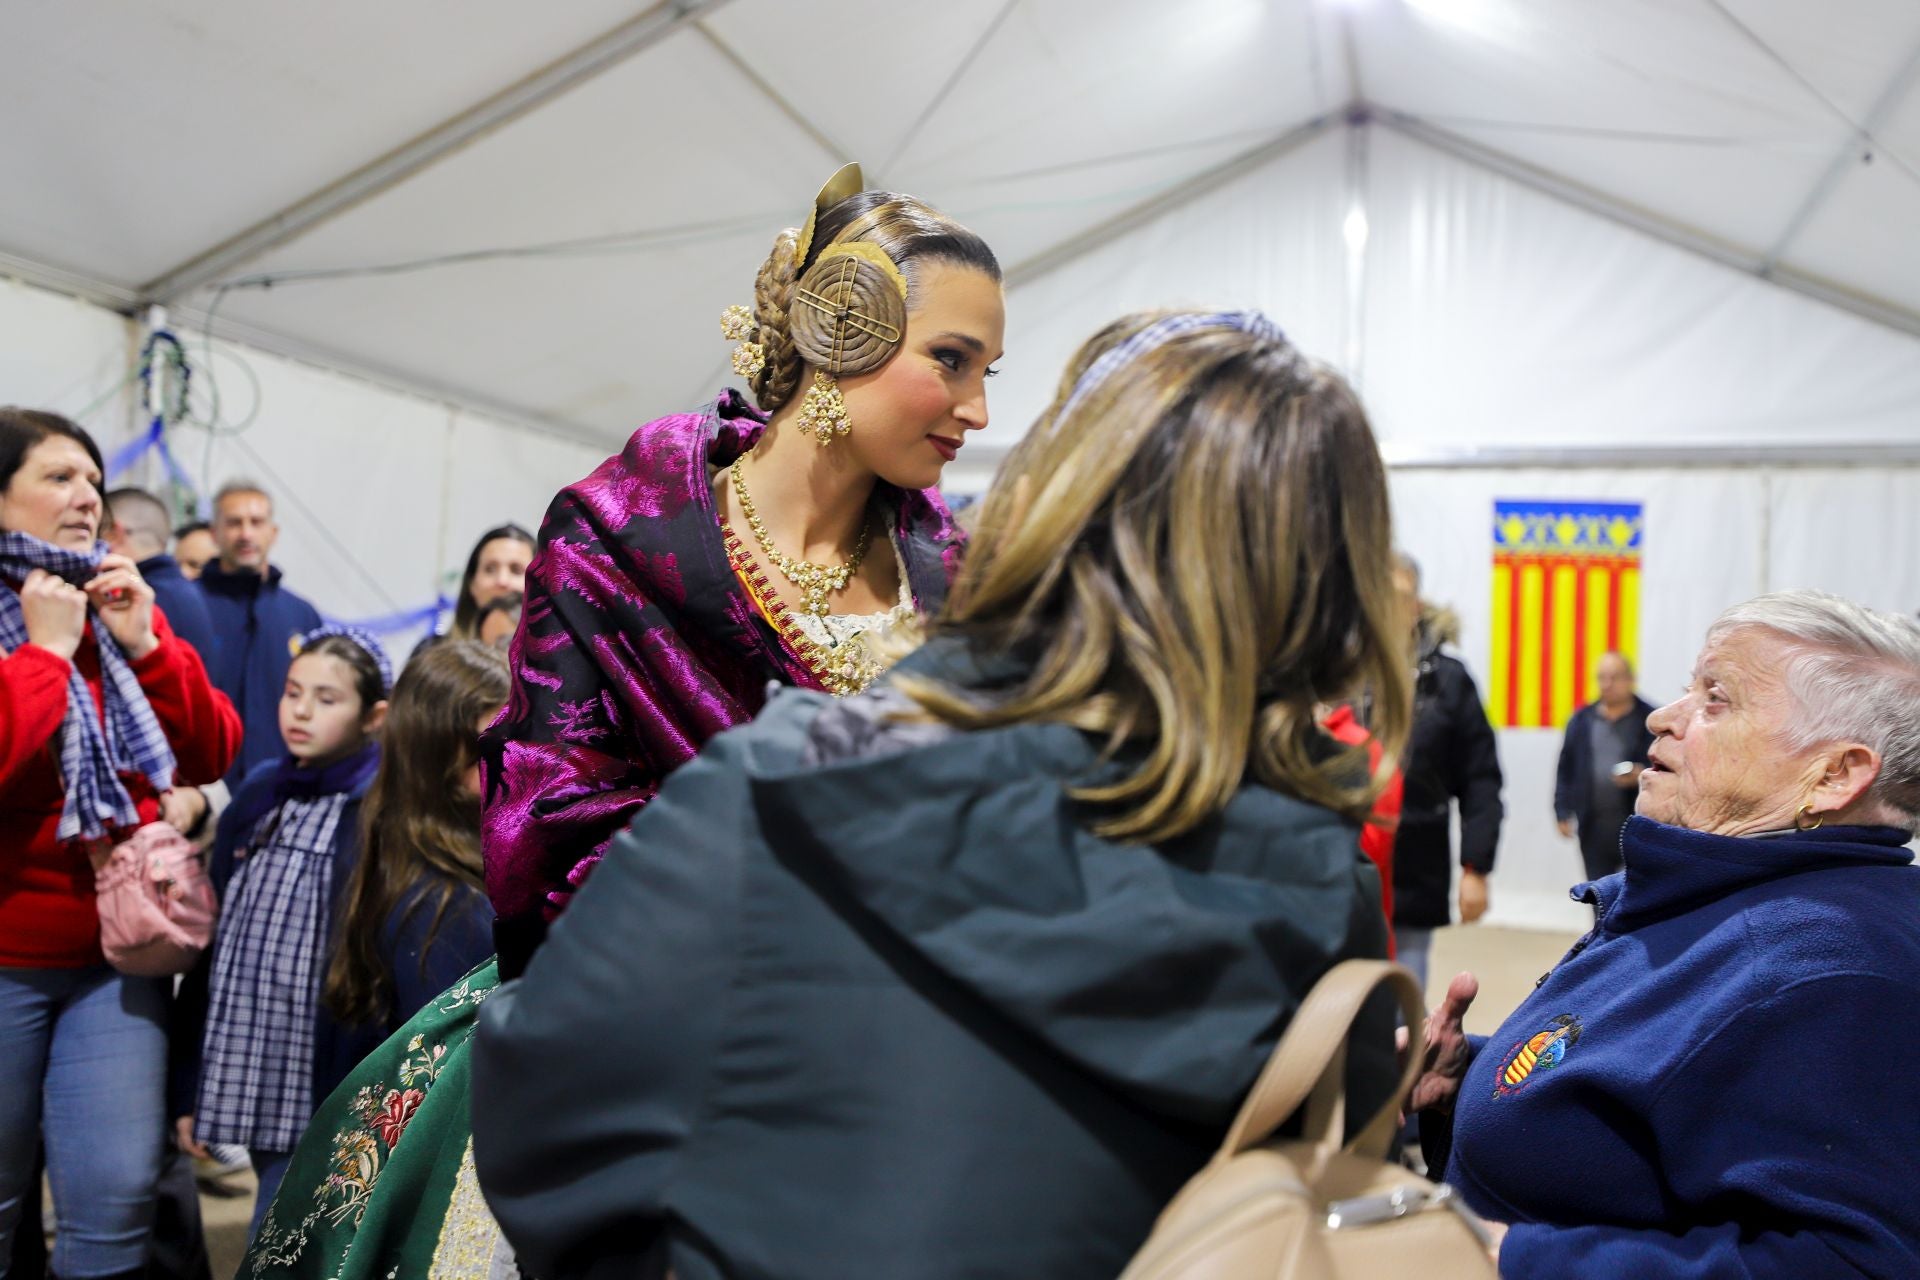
{"x":93,"y":752}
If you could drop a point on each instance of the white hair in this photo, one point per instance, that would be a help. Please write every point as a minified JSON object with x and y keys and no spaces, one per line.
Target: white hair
{"x":1854,"y":676}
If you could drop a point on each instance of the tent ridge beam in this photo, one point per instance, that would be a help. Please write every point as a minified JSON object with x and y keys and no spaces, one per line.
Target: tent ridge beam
{"x":1859,"y":144}
{"x":549,"y":82}
{"x":1878,"y":310}
{"x":1187,"y":192}
{"x":765,"y":89}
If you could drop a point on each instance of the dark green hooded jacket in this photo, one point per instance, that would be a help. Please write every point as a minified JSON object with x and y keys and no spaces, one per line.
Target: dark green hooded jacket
{"x":854,"y":998}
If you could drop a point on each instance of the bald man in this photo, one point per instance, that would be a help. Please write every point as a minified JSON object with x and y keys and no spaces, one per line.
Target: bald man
{"x":138,"y":527}
{"x":1600,"y":762}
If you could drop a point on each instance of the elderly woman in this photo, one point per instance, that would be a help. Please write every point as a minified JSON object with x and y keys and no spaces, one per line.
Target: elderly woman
{"x":1718,"y":1080}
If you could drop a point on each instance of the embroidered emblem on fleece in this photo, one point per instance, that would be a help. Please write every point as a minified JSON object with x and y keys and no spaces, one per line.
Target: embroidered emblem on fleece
{"x":1540,"y":1052}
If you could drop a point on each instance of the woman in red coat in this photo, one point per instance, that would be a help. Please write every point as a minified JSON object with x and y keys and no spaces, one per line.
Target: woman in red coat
{"x":101,"y":712}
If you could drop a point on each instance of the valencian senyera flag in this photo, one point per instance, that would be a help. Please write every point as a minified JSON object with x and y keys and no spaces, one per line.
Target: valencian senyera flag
{"x":1566,"y":589}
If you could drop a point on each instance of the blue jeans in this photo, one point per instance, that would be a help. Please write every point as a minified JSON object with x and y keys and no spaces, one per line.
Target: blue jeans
{"x":269,"y":1167}
{"x":1410,"y":946}
{"x":84,"y":1070}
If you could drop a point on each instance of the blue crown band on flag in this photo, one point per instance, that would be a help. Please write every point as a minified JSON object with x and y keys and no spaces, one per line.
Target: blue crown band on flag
{"x":1158,"y":334}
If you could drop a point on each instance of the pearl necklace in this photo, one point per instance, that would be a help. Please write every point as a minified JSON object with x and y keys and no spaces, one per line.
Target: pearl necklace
{"x":815,"y":581}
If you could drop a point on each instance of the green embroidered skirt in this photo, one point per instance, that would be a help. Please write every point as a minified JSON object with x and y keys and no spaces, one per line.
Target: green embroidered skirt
{"x":381,"y":1186}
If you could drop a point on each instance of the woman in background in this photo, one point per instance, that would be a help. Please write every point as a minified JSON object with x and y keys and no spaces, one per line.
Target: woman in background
{"x":416,"y":916}
{"x":102,"y":710}
{"x":497,"y":566}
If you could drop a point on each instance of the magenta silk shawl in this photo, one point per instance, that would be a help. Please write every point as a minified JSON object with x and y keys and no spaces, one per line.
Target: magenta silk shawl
{"x":638,"y":644}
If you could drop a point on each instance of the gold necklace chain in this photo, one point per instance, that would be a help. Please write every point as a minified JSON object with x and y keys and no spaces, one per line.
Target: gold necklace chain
{"x":815,"y":581}
{"x":842,"y":671}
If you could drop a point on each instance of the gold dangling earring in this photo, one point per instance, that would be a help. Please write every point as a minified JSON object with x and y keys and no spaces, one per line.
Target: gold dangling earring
{"x":823,"y":412}
{"x":1806,"y":811}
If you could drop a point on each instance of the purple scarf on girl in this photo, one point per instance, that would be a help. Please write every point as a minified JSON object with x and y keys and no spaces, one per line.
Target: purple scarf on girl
{"x":637,"y":644}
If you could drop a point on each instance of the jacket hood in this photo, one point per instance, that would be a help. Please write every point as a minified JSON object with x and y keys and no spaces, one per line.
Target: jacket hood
{"x":1165,"y":971}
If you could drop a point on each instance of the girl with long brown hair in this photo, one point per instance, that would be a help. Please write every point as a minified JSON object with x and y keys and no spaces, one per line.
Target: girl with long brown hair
{"x":416,"y":915}
{"x":966,"y":975}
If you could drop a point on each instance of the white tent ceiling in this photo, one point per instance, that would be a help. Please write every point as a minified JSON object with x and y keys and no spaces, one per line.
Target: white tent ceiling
{"x":542,"y":211}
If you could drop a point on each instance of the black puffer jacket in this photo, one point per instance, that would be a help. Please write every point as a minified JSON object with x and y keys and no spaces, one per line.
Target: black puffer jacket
{"x":855,"y":998}
{"x":1450,"y":759}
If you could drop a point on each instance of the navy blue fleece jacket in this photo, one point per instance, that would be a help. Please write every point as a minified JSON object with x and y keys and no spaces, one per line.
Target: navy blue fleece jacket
{"x":1718,"y":1081}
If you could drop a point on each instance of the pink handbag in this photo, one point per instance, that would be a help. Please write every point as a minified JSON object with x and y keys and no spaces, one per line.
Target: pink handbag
{"x":156,"y":905}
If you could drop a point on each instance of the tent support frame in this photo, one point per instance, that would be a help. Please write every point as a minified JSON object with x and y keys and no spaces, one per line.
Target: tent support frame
{"x":600,"y":54}
{"x":1857,"y":149}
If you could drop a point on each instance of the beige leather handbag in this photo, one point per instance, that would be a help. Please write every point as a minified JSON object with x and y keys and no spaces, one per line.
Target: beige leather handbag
{"x":1309,"y":1208}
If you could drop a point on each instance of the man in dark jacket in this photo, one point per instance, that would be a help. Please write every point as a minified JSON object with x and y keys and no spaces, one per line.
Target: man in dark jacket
{"x":139,"y":531}
{"x":1450,"y":758}
{"x":858,"y":997}
{"x":1600,"y":762}
{"x":255,"y":620}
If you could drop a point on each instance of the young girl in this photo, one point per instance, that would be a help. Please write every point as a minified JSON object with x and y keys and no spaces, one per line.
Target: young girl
{"x":415,"y":916}
{"x":268,"y":1053}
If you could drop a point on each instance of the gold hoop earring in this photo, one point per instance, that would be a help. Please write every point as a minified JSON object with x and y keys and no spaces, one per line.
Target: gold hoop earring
{"x":1806,"y":811}
{"x":824,"y":412}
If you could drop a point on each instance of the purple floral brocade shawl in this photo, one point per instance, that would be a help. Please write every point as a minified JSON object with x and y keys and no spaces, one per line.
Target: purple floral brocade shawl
{"x":638,"y":644}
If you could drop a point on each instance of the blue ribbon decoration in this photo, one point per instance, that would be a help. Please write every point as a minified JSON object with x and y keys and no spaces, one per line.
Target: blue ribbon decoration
{"x":389,"y":624}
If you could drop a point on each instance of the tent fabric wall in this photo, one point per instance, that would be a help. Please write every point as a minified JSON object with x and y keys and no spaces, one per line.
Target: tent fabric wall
{"x":1494,"y":316}
{"x":379,"y":493}
{"x":1271,"y":240}
{"x":1498,"y":316}
{"x":60,"y":353}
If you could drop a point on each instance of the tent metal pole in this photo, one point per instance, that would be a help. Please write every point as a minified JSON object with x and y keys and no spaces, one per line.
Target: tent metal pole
{"x":1651,"y":458}
{"x":1167,"y":201}
{"x":945,"y":91}
{"x":1877,"y":310}
{"x":556,"y":78}
{"x":1604,"y":457}
{"x":840,"y":154}
{"x":1355,"y":231}
{"x":71,"y":283}
{"x":1857,"y":149}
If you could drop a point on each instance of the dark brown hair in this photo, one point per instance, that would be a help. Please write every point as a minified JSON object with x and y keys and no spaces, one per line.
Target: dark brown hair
{"x":21,"y":429}
{"x":466,"y":614}
{"x":419,"y":823}
{"x":909,"y":230}
{"x":367,"y":680}
{"x":1190,"y":558}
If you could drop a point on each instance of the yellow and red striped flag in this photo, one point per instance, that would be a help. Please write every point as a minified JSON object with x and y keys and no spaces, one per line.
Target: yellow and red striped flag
{"x":1566,"y":589}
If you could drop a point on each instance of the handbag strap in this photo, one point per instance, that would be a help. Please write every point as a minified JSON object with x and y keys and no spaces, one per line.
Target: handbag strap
{"x":1309,"y":1063}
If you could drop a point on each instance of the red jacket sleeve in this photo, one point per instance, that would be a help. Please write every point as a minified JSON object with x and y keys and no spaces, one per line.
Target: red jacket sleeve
{"x":200,"y":723}
{"x":33,"y":702}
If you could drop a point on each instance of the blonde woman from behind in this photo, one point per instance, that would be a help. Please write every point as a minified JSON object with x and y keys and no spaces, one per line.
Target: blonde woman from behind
{"x":965,"y":975}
